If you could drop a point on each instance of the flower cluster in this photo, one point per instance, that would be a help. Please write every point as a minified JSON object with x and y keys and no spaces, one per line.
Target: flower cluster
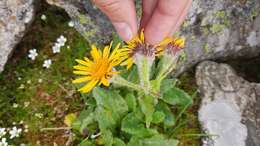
{"x":60,"y":42}
{"x":101,"y":69}
{"x":10,"y":133}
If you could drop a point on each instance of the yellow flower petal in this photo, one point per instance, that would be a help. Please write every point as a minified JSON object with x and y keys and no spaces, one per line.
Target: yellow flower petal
{"x":89,"y":86}
{"x":142,"y":36}
{"x":95,"y":53}
{"x":82,"y":62}
{"x":81,"y":72}
{"x":105,"y":82}
{"x":79,"y":67}
{"x":180,"y":42}
{"x":106,"y":52}
{"x":80,"y":80}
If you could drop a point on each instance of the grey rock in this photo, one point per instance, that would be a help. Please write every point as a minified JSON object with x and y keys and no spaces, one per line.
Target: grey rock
{"x":229,"y":107}
{"x":15,"y":17}
{"x":91,"y":23}
{"x":221,"y":29}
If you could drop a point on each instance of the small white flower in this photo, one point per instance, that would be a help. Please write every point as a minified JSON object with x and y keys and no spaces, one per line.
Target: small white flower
{"x":22,"y":144}
{"x":26,"y":104}
{"x":3,"y":142}
{"x":68,"y":47}
{"x":39,"y":80}
{"x":29,"y":82}
{"x":39,"y":115}
{"x":56,"y":48}
{"x":71,"y":24}
{"x":21,"y":86}
{"x":21,"y":122}
{"x":47,"y":63}
{"x":15,"y":105}
{"x":2,"y":132}
{"x":33,"y":54}
{"x":14,"y":132}
{"x":26,"y":130}
{"x":43,"y":17}
{"x":61,"y":40}
{"x":14,"y":123}
{"x":26,"y":126}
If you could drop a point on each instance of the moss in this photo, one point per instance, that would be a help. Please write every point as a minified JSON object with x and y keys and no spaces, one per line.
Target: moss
{"x":84,"y":19}
{"x":254,"y":13}
{"x":223,"y":17}
{"x":206,"y":48}
{"x":215,"y":28}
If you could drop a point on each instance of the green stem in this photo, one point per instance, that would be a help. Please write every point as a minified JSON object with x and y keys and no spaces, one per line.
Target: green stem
{"x":123,"y":82}
{"x":166,"y":66}
{"x":198,"y":135}
{"x":144,"y":64}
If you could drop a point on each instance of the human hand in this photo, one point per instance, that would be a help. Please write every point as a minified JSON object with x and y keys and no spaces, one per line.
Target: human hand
{"x":160,"y":18}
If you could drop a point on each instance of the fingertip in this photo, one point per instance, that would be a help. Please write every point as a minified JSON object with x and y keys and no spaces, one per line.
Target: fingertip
{"x":122,"y":15}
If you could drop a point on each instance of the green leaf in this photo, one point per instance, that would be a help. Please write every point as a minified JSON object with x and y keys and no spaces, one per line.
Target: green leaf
{"x":106,"y":118}
{"x":158,"y":117}
{"x":131,"y":101}
{"x":107,"y":136}
{"x":134,"y":126}
{"x":111,"y":108}
{"x":169,"y":119}
{"x":175,"y":96}
{"x":133,"y":75}
{"x":118,"y":142}
{"x":167,"y":84}
{"x":147,"y":106}
{"x":134,"y":141}
{"x":86,"y":142}
{"x":111,"y":100}
{"x":157,"y":140}
{"x":85,"y":118}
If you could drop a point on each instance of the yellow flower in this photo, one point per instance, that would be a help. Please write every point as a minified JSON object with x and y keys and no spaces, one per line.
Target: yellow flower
{"x":137,"y":45}
{"x":171,"y":45}
{"x":100,"y":69}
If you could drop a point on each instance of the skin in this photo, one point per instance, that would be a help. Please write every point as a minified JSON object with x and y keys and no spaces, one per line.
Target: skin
{"x":160,"y":18}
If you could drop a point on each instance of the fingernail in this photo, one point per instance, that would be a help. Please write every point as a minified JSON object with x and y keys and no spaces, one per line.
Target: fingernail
{"x":123,"y":30}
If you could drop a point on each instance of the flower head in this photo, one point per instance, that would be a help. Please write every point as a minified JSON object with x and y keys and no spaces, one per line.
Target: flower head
{"x":61,"y":40}
{"x":32,"y":54}
{"x":175,"y":45}
{"x":71,"y":24}
{"x":3,"y":142}
{"x":14,"y":132}
{"x":99,"y":70}
{"x":2,"y":132}
{"x":56,"y":48}
{"x":171,"y":45}
{"x":137,"y":45}
{"x":43,"y":17}
{"x":47,"y":63}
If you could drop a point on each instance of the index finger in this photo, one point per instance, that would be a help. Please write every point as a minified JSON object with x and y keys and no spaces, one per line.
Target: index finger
{"x":164,"y":19}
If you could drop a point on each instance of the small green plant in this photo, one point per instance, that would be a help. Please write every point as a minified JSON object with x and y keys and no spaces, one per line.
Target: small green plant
{"x":142,"y":106}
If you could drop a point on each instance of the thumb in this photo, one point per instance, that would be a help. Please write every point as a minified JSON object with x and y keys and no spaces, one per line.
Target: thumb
{"x":122,"y":15}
